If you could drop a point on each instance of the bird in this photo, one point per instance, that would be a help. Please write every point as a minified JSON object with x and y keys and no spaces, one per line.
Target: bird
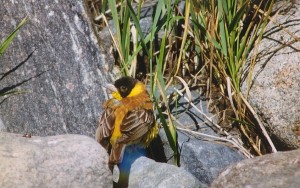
{"x":128,"y":118}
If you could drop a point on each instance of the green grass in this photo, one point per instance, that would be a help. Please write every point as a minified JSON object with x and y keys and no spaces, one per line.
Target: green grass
{"x":3,"y":47}
{"x":231,"y":29}
{"x":212,"y":36}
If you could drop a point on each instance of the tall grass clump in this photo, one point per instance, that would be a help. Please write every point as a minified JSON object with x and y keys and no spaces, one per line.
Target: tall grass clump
{"x":225,"y":33}
{"x":212,"y":37}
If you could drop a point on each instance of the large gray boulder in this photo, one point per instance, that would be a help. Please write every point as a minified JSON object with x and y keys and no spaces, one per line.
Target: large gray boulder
{"x":63,"y":77}
{"x":273,"y":170}
{"x":148,"y":173}
{"x":55,"y":161}
{"x":204,"y":159}
{"x":274,"y":94}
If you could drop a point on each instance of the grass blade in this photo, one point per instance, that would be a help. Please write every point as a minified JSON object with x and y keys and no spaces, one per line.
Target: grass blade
{"x":4,"y":45}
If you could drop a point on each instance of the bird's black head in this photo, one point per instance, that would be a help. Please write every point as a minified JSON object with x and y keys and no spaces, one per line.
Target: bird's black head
{"x":125,"y":85}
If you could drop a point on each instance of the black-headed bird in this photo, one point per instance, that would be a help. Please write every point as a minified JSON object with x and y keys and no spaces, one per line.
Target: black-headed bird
{"x":128,"y":118}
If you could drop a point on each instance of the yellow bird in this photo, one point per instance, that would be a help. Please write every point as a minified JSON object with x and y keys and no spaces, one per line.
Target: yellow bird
{"x":128,"y":118}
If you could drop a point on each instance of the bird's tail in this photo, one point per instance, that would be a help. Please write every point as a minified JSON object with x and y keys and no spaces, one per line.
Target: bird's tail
{"x":117,"y":153}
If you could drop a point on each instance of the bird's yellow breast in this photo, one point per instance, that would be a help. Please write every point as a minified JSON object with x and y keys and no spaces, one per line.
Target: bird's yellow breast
{"x":137,"y":98}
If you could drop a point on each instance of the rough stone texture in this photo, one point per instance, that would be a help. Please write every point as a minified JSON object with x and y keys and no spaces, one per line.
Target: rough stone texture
{"x":67,"y":97}
{"x":148,"y":173}
{"x":274,"y":170}
{"x":189,"y":117}
{"x":204,"y":159}
{"x":2,"y":127}
{"x":56,"y":161}
{"x":275,"y":92}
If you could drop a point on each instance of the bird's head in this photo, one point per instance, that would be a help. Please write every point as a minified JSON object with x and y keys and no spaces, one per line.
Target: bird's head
{"x":125,"y":87}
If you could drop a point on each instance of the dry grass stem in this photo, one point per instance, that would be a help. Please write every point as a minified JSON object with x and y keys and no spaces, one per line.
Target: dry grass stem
{"x":215,"y":138}
{"x":214,"y":124}
{"x":185,"y":32}
{"x":278,"y":24}
{"x":230,"y":95}
{"x":116,"y":43}
{"x":133,"y":64}
{"x":98,"y":18}
{"x":274,"y":150}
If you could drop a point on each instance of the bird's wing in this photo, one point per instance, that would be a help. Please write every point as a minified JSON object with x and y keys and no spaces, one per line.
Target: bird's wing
{"x":136,"y":124}
{"x":105,"y":128}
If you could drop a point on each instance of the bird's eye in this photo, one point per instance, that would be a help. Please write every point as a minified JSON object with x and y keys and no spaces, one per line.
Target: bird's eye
{"x":123,"y":88}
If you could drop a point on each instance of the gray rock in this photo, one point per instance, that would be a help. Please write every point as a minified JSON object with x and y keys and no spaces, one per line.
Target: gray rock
{"x":275,"y":91}
{"x":204,"y":159}
{"x":56,"y":161}
{"x":273,"y":170}
{"x":148,"y":173}
{"x":2,"y":127}
{"x":190,"y":118}
{"x":63,"y":76}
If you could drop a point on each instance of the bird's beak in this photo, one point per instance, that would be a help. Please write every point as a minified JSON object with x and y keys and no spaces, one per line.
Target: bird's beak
{"x":111,"y":88}
{"x":113,"y":91}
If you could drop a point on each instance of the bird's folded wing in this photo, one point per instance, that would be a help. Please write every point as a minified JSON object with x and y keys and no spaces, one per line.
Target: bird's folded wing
{"x":105,"y":128}
{"x":136,"y":124}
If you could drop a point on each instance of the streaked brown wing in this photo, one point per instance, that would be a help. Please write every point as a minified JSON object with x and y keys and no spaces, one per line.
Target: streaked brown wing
{"x":136,"y":124}
{"x":105,"y":128}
